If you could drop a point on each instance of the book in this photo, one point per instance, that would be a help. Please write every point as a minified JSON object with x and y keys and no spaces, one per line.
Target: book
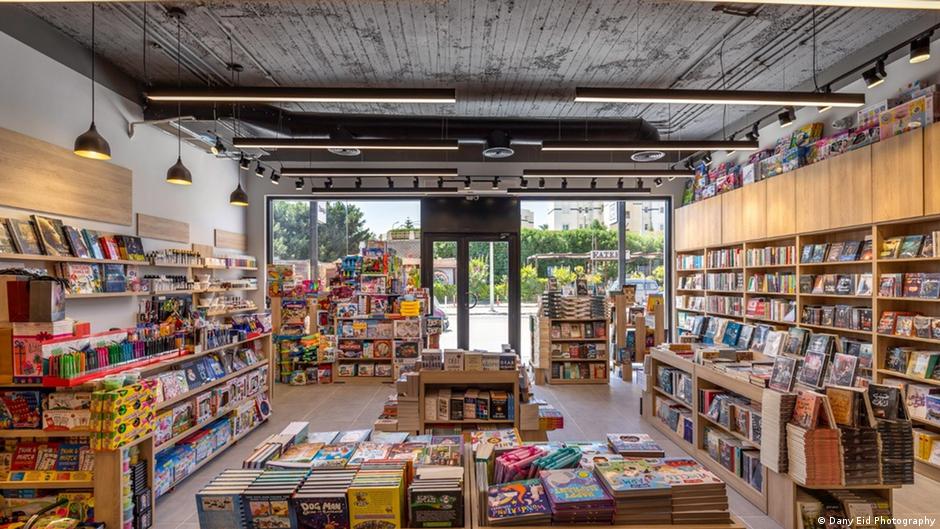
{"x":910,"y":246}
{"x":782,"y":376}
{"x":24,"y":236}
{"x":6,"y":240}
{"x":517,"y":502}
{"x":634,"y":445}
{"x":51,"y":236}
{"x":813,"y":369}
{"x":842,"y":371}
{"x":890,"y":248}
{"x":806,"y":410}
{"x":76,"y":240}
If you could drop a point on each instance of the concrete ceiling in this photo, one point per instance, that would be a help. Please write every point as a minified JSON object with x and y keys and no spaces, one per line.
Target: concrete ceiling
{"x":506,"y":58}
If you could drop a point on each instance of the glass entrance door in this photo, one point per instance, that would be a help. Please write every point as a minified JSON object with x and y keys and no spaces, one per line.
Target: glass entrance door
{"x":472,"y":287}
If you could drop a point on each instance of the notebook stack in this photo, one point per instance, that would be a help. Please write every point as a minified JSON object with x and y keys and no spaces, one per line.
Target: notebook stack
{"x":575,"y":496}
{"x":634,"y":445}
{"x":408,"y":414}
{"x":435,"y":498}
{"x":777,"y":408}
{"x":379,"y":494}
{"x":815,"y":456}
{"x":557,"y":306}
{"x":268,"y":496}
{"x":640,"y":495}
{"x":698,"y":496}
{"x":220,"y":505}
{"x":322,"y":500}
{"x":516,"y":464}
{"x":518,"y":503}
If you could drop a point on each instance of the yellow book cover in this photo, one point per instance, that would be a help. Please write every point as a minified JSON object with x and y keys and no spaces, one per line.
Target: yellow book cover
{"x":376,"y":507}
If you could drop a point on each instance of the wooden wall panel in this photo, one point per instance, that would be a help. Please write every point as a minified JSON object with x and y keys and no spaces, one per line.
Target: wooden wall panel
{"x":681,"y":229}
{"x":850,"y":199}
{"x":230,"y":240}
{"x":709,"y":222}
{"x":161,"y":228}
{"x":781,"y":207}
{"x":898,"y":177}
{"x":753,"y":211}
{"x":932,"y":169}
{"x":732,"y":205}
{"x":812,"y":197}
{"x":43,"y":177}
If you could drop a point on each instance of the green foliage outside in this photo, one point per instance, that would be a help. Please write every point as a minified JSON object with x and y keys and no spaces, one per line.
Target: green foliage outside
{"x":291,"y":230}
{"x":343,"y":231}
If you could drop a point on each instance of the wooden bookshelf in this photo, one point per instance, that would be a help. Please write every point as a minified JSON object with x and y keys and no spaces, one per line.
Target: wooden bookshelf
{"x":544,"y":361}
{"x":779,"y":493}
{"x":504,"y":380}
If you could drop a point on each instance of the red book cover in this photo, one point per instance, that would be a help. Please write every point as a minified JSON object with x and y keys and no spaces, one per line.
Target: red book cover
{"x":24,"y":458}
{"x":109,"y":248}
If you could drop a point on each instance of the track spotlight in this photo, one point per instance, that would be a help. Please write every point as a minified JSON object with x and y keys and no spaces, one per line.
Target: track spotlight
{"x":466,"y":184}
{"x":564,"y":183}
{"x":328,"y":183}
{"x":754,"y":133}
{"x":244,"y":163}
{"x":259,"y":170}
{"x":391,"y":183}
{"x":358,"y":182}
{"x":299,"y":185}
{"x":541,"y":183}
{"x":875,"y":75}
{"x":440,"y":182}
{"x":275,"y":177}
{"x":594,"y":183}
{"x":707,"y":159}
{"x":920,"y":49}
{"x":416,"y":183}
{"x":523,"y":183}
{"x":639,"y":183}
{"x":620,"y":183}
{"x":495,"y":185}
{"x":786,"y":117}
{"x":658,"y":182}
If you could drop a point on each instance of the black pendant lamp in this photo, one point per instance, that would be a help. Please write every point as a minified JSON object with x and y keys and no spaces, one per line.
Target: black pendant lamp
{"x":178,"y":173}
{"x":91,"y":144}
{"x":238,"y":197}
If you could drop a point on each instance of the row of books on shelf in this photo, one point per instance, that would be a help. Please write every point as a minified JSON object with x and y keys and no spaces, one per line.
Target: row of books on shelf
{"x":836,"y":284}
{"x":692,"y":282}
{"x":676,"y":417}
{"x":377,"y":349}
{"x":727,"y":305}
{"x":584,"y":351}
{"x":46,"y":236}
{"x":913,"y":362}
{"x":192,"y":374}
{"x":910,"y":246}
{"x":730,"y":453}
{"x":735,"y":413}
{"x":579,"y":371}
{"x":463,"y":360}
{"x":772,"y":283}
{"x":569,"y":330}
{"x":927,"y":446}
{"x":855,"y":250}
{"x":676,"y":383}
{"x":178,"y":462}
{"x":447,"y":404}
{"x":771,"y":309}
{"x":696,"y":303}
{"x":690,"y":262}
{"x":727,"y":281}
{"x":921,"y":401}
{"x":47,"y":456}
{"x":910,"y":285}
{"x":770,"y":256}
{"x":725,"y":258}
{"x":909,"y":324}
{"x":838,"y":316}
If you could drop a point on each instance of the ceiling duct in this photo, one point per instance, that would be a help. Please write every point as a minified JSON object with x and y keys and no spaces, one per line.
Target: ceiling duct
{"x":498,"y":145}
{"x":341,"y":134}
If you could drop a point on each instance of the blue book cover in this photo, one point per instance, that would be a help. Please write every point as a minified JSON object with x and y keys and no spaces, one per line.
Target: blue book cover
{"x":732,"y":332}
{"x":220,"y":508}
{"x":573,"y":485}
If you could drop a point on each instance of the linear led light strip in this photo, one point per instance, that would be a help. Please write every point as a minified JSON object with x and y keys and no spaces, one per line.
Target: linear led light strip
{"x":717,"y":97}
{"x":882,"y":4}
{"x":671,"y":146}
{"x":602,"y":173}
{"x":366,"y":173}
{"x":307,"y":95}
{"x":387,"y":145}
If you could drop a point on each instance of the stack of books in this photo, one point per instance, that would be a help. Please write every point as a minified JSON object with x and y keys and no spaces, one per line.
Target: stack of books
{"x":435,"y":498}
{"x":408,"y":414}
{"x":322,"y":500}
{"x":896,"y":433}
{"x":518,"y":503}
{"x":640,"y":495}
{"x":634,"y":445}
{"x":299,"y":456}
{"x":776,"y":409}
{"x":379,"y":492}
{"x":264,"y":452}
{"x":557,"y":306}
{"x":698,"y":496}
{"x":860,"y":455}
{"x":268,"y":495}
{"x":576,"y":496}
{"x":219,"y":504}
{"x":815,"y":456}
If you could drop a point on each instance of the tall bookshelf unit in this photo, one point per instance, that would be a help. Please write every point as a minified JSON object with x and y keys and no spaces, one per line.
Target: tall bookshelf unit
{"x":548,"y":344}
{"x":880,"y":191}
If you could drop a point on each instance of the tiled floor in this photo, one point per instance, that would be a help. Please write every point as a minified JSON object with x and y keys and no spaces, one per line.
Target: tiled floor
{"x":590,"y":412}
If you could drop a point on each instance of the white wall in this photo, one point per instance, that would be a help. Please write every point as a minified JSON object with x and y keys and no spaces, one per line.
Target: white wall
{"x":46,"y":100}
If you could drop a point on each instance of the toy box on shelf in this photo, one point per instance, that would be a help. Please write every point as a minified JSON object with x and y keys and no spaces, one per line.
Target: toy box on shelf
{"x":302,"y":358}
